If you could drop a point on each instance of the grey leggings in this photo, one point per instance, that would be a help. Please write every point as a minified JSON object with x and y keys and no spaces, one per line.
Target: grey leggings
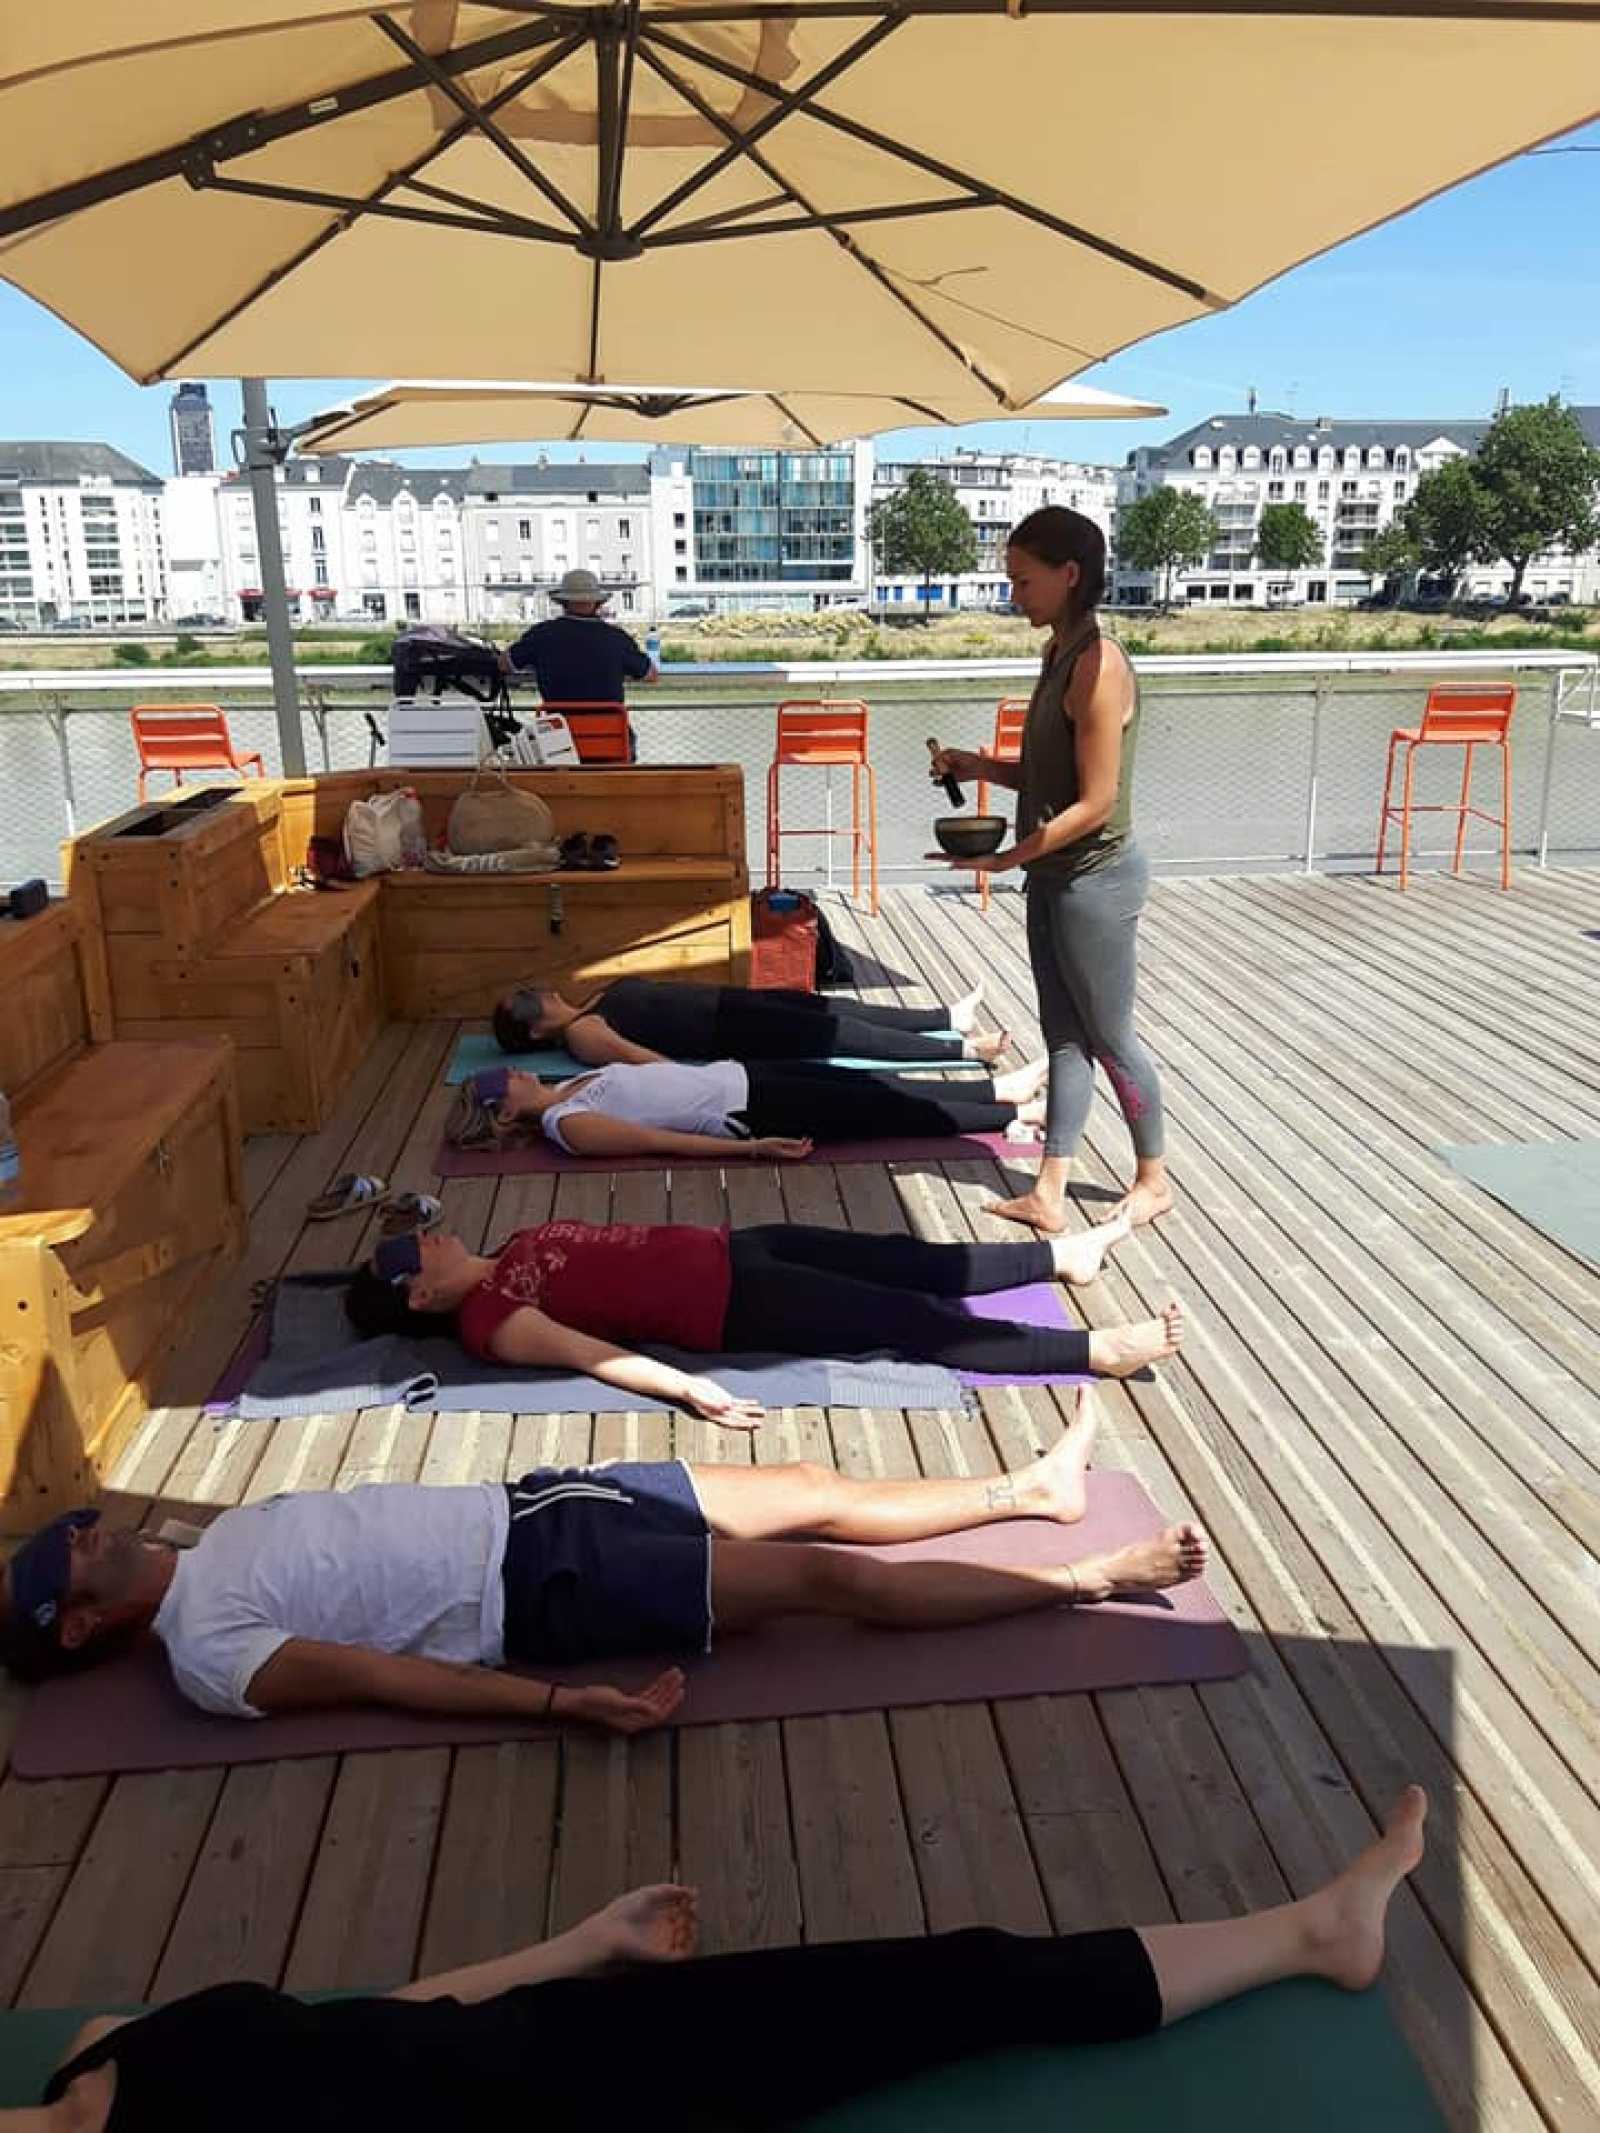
{"x":1082,"y":936}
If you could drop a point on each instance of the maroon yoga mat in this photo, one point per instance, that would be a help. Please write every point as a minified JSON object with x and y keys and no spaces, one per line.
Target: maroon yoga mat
{"x":127,"y":1715}
{"x":527,"y":1157}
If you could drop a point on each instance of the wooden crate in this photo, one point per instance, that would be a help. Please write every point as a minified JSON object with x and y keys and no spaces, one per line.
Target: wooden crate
{"x":677,"y":906}
{"x":132,"y":1197}
{"x":55,"y":993}
{"x":202,"y":937}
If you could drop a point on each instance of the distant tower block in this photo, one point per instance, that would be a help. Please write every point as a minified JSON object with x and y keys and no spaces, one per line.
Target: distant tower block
{"x":194,"y":433}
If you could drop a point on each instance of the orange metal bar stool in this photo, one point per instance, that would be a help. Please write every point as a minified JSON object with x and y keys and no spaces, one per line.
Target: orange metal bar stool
{"x":180,"y":737}
{"x":1460,"y":717}
{"x":1010,"y":716}
{"x":599,"y":729}
{"x":821,"y":731}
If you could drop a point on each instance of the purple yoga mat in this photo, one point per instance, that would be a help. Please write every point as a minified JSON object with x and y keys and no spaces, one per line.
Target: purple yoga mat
{"x":127,"y":1716}
{"x":1037,"y":1304}
{"x":528,"y":1157}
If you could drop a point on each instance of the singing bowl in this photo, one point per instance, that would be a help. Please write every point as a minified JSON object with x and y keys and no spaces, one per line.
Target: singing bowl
{"x":970,"y":836}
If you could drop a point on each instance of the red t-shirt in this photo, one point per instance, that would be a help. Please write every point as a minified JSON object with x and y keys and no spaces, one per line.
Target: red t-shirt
{"x":621,"y":1281}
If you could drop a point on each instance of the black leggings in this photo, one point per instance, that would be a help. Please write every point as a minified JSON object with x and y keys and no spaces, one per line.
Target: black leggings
{"x":807,"y":1291}
{"x":831,"y":1103}
{"x":761,"y":1024}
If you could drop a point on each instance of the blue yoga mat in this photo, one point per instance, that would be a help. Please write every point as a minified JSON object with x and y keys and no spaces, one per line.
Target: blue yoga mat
{"x":1554,"y":1185}
{"x":553,"y":1063}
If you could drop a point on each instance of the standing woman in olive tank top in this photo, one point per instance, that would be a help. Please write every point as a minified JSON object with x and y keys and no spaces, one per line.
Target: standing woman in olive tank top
{"x":1087,"y":879}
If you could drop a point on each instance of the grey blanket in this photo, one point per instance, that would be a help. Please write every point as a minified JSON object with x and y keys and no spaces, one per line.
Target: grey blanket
{"x":314,"y":1366}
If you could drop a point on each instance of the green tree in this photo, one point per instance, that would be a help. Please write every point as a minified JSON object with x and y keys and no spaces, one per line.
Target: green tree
{"x":1162,"y":529}
{"x":1444,"y":522}
{"x":1537,"y":474}
{"x":922,"y":529}
{"x":1391,"y":553}
{"x":1288,"y":538}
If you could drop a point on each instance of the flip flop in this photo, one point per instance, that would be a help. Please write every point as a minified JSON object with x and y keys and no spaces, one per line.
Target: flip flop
{"x":407,"y":1212}
{"x":603,"y":854}
{"x":347,"y":1195}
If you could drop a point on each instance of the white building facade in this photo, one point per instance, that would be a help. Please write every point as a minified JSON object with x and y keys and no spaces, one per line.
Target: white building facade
{"x":996,"y":490}
{"x":80,"y":537}
{"x":1350,"y":477}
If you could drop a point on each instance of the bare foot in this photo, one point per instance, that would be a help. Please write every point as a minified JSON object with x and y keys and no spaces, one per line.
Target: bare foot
{"x":1144,"y":1202}
{"x":1079,"y":1258}
{"x":1344,"y":1922}
{"x":964,"y":1012}
{"x":1022,"y":1083}
{"x":1172,"y":1558}
{"x":1033,"y":1209}
{"x":1118,"y":1351}
{"x":987,"y":1045}
{"x":1055,"y":1486}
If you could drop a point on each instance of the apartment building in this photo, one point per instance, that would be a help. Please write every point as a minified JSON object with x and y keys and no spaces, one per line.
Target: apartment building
{"x":80,"y":536}
{"x":996,"y":490}
{"x":774,"y":530}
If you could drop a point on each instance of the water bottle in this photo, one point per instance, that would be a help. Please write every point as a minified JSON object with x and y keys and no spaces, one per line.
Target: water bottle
{"x":10,"y":1159}
{"x":652,"y":648}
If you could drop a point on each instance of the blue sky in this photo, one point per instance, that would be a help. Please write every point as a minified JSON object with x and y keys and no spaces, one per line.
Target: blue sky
{"x":1495,"y":284}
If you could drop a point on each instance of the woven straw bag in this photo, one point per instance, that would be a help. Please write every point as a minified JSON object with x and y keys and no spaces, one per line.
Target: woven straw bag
{"x":495,"y":817}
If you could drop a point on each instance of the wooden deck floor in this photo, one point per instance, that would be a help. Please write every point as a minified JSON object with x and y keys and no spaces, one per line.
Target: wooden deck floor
{"x":1387,"y":1415}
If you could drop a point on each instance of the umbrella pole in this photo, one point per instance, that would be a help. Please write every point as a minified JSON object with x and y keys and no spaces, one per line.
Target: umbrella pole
{"x":262,"y":454}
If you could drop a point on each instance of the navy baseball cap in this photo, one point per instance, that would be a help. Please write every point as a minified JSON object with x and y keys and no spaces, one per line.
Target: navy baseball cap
{"x":41,"y":1576}
{"x":397,"y":1259}
{"x":493,"y":1085}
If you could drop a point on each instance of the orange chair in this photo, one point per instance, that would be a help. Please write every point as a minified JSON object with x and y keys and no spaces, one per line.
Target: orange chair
{"x":1462,"y":717}
{"x":820,"y":731}
{"x":1010,"y":716}
{"x":180,"y":737}
{"x":599,"y":730}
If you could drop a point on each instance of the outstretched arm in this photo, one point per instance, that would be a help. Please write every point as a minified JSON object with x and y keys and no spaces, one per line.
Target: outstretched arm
{"x":305,"y":1674}
{"x":593,"y":1133}
{"x":649,"y":1925}
{"x":531,"y":1338}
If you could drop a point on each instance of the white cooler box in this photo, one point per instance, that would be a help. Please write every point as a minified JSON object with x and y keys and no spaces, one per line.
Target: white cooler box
{"x":443,"y":733}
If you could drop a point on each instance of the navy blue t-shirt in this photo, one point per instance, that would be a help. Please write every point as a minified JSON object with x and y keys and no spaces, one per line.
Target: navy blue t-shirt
{"x":579,"y":659}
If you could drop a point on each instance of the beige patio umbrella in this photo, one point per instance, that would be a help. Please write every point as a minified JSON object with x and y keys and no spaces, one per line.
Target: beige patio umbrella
{"x":910,"y":196}
{"x":416,"y":412}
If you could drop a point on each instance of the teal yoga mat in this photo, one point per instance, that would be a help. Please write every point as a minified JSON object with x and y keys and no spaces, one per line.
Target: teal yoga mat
{"x":1301,"y":2055}
{"x":1553,"y":1185}
{"x":473,"y":1053}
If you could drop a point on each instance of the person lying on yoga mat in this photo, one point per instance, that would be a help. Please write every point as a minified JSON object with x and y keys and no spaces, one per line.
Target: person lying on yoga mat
{"x":619,"y":2020}
{"x":416,"y":1597}
{"x":636,"y":1020}
{"x":770,"y":1110}
{"x":568,"y":1296}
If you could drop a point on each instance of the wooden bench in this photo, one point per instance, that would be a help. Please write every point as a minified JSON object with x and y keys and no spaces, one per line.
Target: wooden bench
{"x":132,"y":1196}
{"x":677,"y":906}
{"x":202,"y":935}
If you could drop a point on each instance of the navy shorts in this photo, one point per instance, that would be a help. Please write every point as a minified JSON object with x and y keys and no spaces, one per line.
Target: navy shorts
{"x":606,"y":1562}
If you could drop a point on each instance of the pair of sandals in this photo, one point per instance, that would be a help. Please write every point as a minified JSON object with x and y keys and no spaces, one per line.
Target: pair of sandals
{"x":401,"y":1213}
{"x":583,"y":854}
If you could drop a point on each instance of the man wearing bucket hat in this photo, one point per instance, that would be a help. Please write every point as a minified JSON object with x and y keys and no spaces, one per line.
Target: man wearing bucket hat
{"x":578,"y":657}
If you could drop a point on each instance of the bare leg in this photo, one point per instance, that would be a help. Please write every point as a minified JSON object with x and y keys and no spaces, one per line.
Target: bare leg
{"x":1149,"y":1196}
{"x":1337,"y":1934}
{"x":1022,"y":1084}
{"x":754,"y":1581}
{"x":1045,"y":1207}
{"x":1118,"y":1351}
{"x":755,"y":1503}
{"x":987,"y":1045}
{"x":1080,"y":1257}
{"x":965,"y":1011}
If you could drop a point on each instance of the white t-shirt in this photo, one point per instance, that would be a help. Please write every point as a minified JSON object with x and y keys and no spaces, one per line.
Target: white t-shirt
{"x":683,"y":1099}
{"x":390,"y":1567}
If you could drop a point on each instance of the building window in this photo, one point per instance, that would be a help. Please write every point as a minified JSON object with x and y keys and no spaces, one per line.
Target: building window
{"x":1299,"y":492}
{"x":624,"y":529}
{"x":414,"y":606}
{"x":319,"y":570}
{"x":1375,"y":456}
{"x":1274,"y":491}
{"x":1252,"y":456}
{"x":680,"y":547}
{"x":319,"y":540}
{"x":314,"y":506}
{"x":591,"y":529}
{"x":1202,"y":456}
{"x":524,"y":529}
{"x":678,"y":520}
{"x":1324,"y":490}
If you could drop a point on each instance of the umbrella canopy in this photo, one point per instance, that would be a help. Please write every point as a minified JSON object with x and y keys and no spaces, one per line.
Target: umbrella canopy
{"x":900,"y":195}
{"x":466,"y":411}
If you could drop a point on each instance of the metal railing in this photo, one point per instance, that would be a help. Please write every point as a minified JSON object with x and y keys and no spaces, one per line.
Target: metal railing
{"x":1247,"y":762}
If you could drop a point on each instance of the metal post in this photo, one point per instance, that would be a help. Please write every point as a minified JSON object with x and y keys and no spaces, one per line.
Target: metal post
{"x":57,"y":716}
{"x":318,"y":704}
{"x":262,"y":456}
{"x":1558,"y":692}
{"x":1318,"y":694}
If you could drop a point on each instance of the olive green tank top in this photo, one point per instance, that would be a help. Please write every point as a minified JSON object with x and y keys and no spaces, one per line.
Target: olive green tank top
{"x":1050,"y":765}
